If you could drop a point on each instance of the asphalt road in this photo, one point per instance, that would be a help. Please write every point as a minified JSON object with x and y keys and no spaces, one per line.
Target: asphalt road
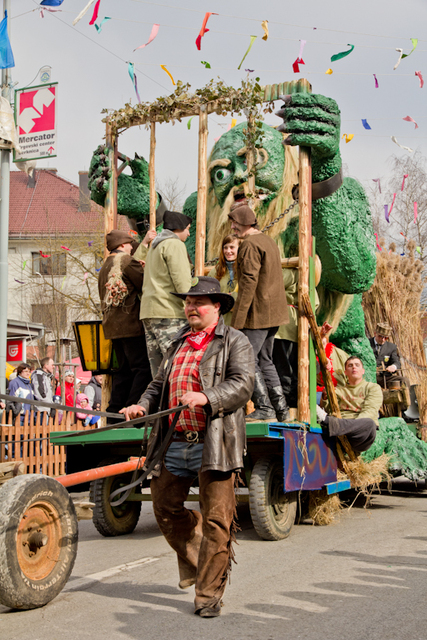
{"x":364,"y":577}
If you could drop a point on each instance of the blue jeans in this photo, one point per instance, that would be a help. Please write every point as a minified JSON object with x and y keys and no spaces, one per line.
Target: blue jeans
{"x":184,"y":459}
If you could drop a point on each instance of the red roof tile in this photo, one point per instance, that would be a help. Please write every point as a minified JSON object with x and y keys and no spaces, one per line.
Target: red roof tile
{"x":51,"y":207}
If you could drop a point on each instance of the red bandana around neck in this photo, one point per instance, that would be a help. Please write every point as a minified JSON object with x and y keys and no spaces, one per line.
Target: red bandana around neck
{"x":199,"y":339}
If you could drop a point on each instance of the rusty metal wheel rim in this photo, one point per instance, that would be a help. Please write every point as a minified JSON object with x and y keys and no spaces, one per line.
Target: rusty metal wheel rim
{"x":38,"y":540}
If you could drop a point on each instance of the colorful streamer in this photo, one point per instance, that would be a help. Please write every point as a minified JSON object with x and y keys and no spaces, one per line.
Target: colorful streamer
{"x":400,"y":58}
{"x":64,"y":247}
{"x":189,"y":123}
{"x":82,"y":12}
{"x":95,"y":13}
{"x":301,"y":47}
{"x":379,"y":183}
{"x":24,"y":265}
{"x":98,"y":270}
{"x":394,"y":139}
{"x":85,"y":276}
{"x":134,"y":80}
{"x":19,"y":281}
{"x":203,"y":30}
{"x":90,"y":243}
{"x":44,"y":255}
{"x":418,"y":249}
{"x":376,"y":81}
{"x":51,"y":3}
{"x":409,"y":119}
{"x":154,"y":32}
{"x":51,"y":10}
{"x":249,"y":70}
{"x":414,"y":46}
{"x":6,"y":55}
{"x":63,"y":282}
{"x":295,"y":66}
{"x":98,"y":27}
{"x":348,"y":137}
{"x":415,"y":212}
{"x":420,"y":76}
{"x":253,"y":38}
{"x":264,"y":25}
{"x":392,"y":204}
{"x":405,"y":175}
{"x":343,"y":54}
{"x":386,"y":213}
{"x":169,"y":74}
{"x":233,"y":122}
{"x":329,"y":72}
{"x":207,"y":65}
{"x":376,"y":238}
{"x":365,"y":124}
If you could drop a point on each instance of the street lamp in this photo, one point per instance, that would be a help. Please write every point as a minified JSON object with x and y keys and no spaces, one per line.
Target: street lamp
{"x":96,"y":353}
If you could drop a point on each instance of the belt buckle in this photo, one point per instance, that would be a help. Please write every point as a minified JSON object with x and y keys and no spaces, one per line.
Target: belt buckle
{"x":191,"y":436}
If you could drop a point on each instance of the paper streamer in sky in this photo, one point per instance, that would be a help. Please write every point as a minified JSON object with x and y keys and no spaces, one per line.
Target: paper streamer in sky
{"x":233,"y":122}
{"x":6,"y":54}
{"x":253,"y":38}
{"x":394,"y":139}
{"x":63,"y":282}
{"x":376,"y":81}
{"x":392,"y":204}
{"x":90,"y":243}
{"x":189,"y":123}
{"x":64,"y":247}
{"x":44,"y":255}
{"x":418,"y":249}
{"x":24,"y":265}
{"x":415,"y":212}
{"x":329,"y":72}
{"x":409,"y":119}
{"x":386,"y":213}
{"x":95,"y":12}
{"x":19,"y":281}
{"x":301,"y":47}
{"x":414,"y":46}
{"x":134,"y":80}
{"x":207,"y":65}
{"x":297,"y":62}
{"x":264,"y":25}
{"x":50,"y":9}
{"x":85,"y":276}
{"x":154,"y":32}
{"x":376,"y":238}
{"x":169,"y":73}
{"x":365,"y":124}
{"x":249,"y":70}
{"x":343,"y":54}
{"x":203,"y":30}
{"x":51,"y":3}
{"x":405,"y":175}
{"x":420,"y":76}
{"x":99,"y":26}
{"x":379,"y":183}
{"x":348,"y":137}
{"x":82,"y":12}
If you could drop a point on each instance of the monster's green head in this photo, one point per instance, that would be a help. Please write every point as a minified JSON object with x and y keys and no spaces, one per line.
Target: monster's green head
{"x":275,"y":174}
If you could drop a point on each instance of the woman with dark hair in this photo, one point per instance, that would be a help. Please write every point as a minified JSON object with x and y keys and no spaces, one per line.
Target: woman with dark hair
{"x":224,"y":271}
{"x":22,"y":388}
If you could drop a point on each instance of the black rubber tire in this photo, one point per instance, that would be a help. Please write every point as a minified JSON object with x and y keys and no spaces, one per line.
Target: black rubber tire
{"x":31,"y":575}
{"x":113,"y":521}
{"x":272,"y":511}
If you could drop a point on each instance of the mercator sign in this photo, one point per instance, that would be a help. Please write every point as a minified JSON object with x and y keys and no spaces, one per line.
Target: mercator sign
{"x":35,"y":117}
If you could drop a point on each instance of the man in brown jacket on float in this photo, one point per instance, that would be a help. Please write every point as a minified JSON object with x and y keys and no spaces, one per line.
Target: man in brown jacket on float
{"x":120,"y":284}
{"x":259,"y":309}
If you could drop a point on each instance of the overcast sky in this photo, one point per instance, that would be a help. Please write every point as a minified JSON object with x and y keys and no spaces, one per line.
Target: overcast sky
{"x":91,"y":69}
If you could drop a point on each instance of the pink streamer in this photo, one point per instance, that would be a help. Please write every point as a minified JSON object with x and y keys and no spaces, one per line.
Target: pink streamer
{"x":85,"y":276}
{"x":95,"y":12}
{"x":409,"y":119}
{"x":406,"y":175}
{"x":415,"y":212}
{"x":376,"y":238}
{"x":420,"y":76}
{"x":301,"y":49}
{"x":376,"y":81}
{"x":154,"y":32}
{"x":42,"y":16}
{"x":392,"y":204}
{"x":63,"y":247}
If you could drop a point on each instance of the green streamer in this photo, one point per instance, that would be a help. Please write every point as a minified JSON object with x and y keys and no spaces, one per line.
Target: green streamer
{"x":253,"y":38}
{"x":343,"y":54}
{"x":414,"y":46}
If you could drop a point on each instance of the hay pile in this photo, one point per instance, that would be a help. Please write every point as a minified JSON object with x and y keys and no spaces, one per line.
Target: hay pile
{"x":322,"y":508}
{"x":395,"y":298}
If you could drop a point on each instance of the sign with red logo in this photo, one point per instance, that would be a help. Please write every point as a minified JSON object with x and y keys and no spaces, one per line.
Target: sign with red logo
{"x":15,"y":350}
{"x":35,"y":117}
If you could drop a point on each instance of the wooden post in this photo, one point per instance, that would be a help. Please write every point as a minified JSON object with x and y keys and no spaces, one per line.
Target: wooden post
{"x":202,"y":187}
{"x":153,"y":192}
{"x":110,"y":208}
{"x":250,"y":158}
{"x":304,"y":254}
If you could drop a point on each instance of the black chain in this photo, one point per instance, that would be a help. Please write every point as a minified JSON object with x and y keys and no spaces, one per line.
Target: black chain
{"x":282,"y":215}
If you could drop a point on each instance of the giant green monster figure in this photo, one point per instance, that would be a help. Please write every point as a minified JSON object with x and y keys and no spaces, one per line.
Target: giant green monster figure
{"x":341,"y":218}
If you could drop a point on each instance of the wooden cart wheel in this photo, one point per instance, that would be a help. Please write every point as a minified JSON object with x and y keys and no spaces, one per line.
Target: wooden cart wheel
{"x":272,"y":511}
{"x":113,"y":521}
{"x":38,"y":540}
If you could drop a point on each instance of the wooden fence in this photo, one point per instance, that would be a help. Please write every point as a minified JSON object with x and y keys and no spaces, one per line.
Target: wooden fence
{"x":29,"y":442}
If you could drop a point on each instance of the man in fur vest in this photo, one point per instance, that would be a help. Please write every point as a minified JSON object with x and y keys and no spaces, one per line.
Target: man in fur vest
{"x":120,"y":284}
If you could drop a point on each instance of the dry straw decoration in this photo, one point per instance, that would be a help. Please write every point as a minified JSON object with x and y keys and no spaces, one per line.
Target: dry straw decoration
{"x":395,"y":298}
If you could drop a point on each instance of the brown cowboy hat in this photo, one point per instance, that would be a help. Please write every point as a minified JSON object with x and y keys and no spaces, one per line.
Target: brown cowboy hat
{"x":205,"y":286}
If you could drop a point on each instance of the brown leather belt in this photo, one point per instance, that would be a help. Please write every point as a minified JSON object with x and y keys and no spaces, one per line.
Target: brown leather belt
{"x":191,"y":437}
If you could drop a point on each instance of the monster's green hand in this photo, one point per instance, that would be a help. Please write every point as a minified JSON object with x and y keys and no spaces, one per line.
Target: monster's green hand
{"x":313,"y":120}
{"x":99,"y":175}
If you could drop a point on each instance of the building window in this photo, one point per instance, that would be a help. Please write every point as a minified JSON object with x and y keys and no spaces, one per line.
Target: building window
{"x":55,"y":265}
{"x":52,"y":316}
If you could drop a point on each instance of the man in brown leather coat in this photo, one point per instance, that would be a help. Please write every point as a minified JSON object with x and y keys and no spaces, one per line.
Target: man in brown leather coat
{"x":209,"y":367}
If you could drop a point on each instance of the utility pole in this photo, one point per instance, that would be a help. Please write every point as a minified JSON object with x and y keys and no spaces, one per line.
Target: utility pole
{"x":4,"y":223}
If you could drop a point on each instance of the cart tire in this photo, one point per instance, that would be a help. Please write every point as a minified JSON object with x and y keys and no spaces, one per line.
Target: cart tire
{"x":113,"y":521}
{"x":272,"y":511}
{"x":38,"y":540}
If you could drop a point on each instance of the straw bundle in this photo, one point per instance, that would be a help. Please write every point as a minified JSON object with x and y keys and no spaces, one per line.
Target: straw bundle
{"x":322,"y":508}
{"x":395,"y":298}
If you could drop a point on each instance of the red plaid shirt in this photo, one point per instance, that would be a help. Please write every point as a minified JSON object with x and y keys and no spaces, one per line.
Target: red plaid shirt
{"x":184,"y":377}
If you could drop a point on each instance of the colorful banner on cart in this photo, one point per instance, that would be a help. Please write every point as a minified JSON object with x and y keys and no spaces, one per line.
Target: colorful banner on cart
{"x":35,"y":117}
{"x":309,"y":461}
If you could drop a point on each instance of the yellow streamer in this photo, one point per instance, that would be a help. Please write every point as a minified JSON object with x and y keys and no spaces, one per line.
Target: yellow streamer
{"x":169,"y":73}
{"x":329,"y":72}
{"x":233,"y":122}
{"x":264,"y":25}
{"x":348,"y":137}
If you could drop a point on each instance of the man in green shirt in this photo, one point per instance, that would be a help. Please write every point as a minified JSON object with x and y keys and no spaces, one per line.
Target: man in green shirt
{"x":359,"y":402}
